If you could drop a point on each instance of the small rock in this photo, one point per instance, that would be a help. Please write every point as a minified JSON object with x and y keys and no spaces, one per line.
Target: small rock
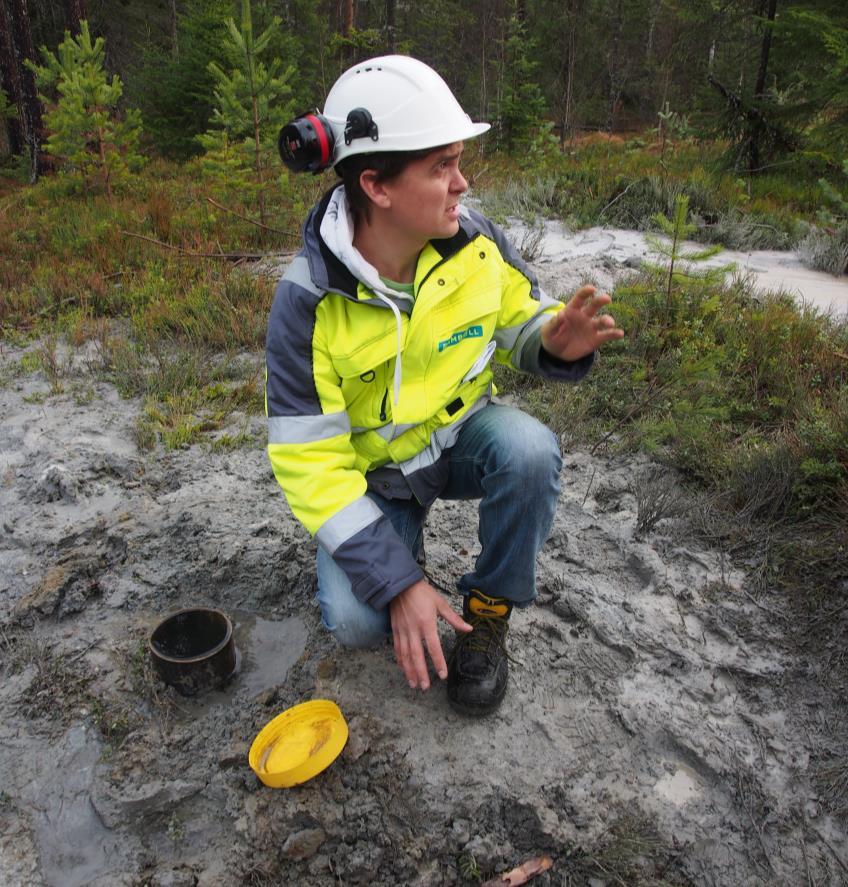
{"x":564,"y":610}
{"x":461,"y":831}
{"x":213,"y":876}
{"x":56,"y":484}
{"x":117,"y":805}
{"x":233,"y":755}
{"x":326,"y":669}
{"x":268,"y":697}
{"x":362,"y":732}
{"x":304,"y":844}
{"x":45,"y":597}
{"x":319,"y":864}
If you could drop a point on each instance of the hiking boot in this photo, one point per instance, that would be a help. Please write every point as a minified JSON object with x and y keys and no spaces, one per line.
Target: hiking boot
{"x":479,"y":664}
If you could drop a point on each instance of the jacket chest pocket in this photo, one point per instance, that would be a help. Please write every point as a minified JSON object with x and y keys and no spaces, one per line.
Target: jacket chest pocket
{"x":367,"y":358}
{"x":366,"y":376}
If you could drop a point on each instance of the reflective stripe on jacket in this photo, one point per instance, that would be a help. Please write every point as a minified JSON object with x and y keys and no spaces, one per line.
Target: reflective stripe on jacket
{"x":331,"y":359}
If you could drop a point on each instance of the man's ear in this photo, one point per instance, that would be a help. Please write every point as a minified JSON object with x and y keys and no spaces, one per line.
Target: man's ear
{"x":374,"y":190}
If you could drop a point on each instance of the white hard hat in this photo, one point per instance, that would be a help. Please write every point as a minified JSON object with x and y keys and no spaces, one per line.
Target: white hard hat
{"x":408,"y":107}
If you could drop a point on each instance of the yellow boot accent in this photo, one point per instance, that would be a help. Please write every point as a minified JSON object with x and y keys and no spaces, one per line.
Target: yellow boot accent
{"x":480,"y":604}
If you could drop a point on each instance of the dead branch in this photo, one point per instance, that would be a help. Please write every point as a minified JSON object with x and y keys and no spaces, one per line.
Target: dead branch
{"x":252,"y":221}
{"x":230,"y":257}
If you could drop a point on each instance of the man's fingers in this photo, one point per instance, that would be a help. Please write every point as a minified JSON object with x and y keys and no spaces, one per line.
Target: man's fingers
{"x":447,"y":612}
{"x":584,"y":294}
{"x":418,"y":665}
{"x":437,"y":657}
{"x":597,"y":302}
{"x":610,"y":335}
{"x":402,"y":658}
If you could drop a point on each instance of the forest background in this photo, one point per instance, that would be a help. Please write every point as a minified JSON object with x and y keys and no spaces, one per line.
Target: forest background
{"x":141,"y":180}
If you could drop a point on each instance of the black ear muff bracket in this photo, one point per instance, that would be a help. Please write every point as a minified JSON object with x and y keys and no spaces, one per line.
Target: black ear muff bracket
{"x":306,"y":143}
{"x":360,"y":125}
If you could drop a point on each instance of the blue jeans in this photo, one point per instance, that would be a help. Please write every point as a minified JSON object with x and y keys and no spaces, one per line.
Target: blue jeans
{"x":509,"y":461}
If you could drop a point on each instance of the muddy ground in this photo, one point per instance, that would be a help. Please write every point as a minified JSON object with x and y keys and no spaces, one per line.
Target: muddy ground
{"x":664,"y":723}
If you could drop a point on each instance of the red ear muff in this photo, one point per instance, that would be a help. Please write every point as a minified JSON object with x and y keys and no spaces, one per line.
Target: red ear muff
{"x":306,"y":143}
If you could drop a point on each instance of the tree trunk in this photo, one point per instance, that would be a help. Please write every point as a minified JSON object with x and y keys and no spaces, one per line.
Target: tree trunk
{"x":759,"y":90}
{"x":74,"y":14}
{"x":521,"y":11}
{"x":614,"y":67}
{"x":568,"y":110}
{"x":175,"y":46}
{"x":11,"y":83}
{"x":391,"y":37}
{"x":30,"y":104}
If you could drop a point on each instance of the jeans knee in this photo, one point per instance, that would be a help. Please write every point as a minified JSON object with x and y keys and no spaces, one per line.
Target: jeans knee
{"x":359,"y":630}
{"x":535,"y":457}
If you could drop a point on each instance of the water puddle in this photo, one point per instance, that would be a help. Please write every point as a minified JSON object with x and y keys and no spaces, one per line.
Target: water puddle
{"x":74,"y":848}
{"x":265,"y":651}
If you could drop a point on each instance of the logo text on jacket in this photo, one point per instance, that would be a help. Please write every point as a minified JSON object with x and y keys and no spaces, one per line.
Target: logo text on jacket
{"x":473,"y":332}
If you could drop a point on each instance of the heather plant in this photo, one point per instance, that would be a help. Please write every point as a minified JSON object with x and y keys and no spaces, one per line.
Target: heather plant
{"x":87,"y":133}
{"x":825,"y":245}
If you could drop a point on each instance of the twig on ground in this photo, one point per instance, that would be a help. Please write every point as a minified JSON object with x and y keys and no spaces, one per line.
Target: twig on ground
{"x":633,"y":411}
{"x":252,"y":221}
{"x":589,"y":487}
{"x":763,"y":607}
{"x":804,"y":854}
{"x":830,"y":847}
{"x":618,"y":197}
{"x":190,"y":255}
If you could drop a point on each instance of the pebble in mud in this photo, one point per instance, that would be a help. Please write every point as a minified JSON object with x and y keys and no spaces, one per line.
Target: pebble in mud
{"x":304,"y":843}
{"x":56,"y":484}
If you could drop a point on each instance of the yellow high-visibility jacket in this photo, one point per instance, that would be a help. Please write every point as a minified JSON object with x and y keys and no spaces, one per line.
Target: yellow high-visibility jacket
{"x":360,"y":377}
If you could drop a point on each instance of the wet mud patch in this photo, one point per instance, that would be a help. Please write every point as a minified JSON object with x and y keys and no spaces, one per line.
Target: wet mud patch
{"x":663,"y":724}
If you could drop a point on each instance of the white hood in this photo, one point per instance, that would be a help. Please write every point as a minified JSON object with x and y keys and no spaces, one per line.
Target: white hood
{"x":337,"y":233}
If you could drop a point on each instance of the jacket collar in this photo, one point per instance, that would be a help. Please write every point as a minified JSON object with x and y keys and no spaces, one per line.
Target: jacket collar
{"x":331,"y":273}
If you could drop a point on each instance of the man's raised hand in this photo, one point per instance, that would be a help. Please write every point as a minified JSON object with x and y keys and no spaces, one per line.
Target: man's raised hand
{"x":578,"y":329}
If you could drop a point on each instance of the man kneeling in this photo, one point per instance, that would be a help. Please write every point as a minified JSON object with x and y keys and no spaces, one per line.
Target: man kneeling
{"x":379,"y":385}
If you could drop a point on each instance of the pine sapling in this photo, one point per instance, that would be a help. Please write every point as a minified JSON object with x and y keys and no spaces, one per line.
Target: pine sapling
{"x":680,"y":262}
{"x":86,"y":129}
{"x":251,"y":105}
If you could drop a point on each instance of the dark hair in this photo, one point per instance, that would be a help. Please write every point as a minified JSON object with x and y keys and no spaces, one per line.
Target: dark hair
{"x":387,"y":164}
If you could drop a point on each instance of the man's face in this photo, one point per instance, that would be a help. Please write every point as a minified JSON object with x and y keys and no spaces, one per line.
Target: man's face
{"x":425,"y":196}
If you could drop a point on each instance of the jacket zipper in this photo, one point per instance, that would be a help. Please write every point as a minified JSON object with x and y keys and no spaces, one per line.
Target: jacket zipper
{"x":383,"y":406}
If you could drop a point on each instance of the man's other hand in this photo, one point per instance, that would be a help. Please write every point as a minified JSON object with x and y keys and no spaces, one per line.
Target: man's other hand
{"x":414,"y":614}
{"x":578,"y":329}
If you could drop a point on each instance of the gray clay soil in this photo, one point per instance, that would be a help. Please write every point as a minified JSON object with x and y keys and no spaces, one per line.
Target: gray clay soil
{"x":663,"y":724}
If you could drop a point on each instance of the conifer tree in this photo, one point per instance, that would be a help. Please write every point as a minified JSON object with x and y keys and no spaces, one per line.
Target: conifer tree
{"x":522,"y":105}
{"x":86,"y":130}
{"x":680,"y":263}
{"x":252,"y":104}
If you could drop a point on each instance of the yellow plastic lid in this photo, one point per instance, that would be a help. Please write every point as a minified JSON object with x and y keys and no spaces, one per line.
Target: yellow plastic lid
{"x":298,"y":744}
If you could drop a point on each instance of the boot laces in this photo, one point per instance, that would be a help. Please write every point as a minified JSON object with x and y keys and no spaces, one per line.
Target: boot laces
{"x":489,"y":635}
